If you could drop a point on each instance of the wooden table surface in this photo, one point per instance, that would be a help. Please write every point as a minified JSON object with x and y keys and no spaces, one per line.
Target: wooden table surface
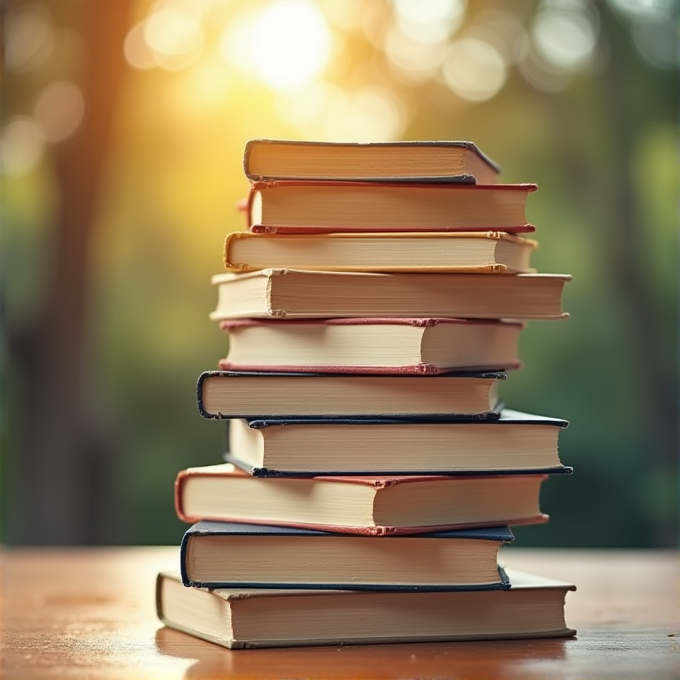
{"x":89,"y":613}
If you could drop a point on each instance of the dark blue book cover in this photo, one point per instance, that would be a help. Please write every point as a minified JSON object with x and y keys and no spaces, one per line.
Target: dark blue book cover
{"x":271,"y":394}
{"x":350,"y":430}
{"x":464,"y":559}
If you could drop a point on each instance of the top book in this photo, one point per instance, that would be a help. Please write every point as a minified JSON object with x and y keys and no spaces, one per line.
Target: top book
{"x":432,"y":161}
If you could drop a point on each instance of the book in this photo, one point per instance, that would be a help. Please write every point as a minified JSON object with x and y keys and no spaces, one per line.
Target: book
{"x":446,"y":161}
{"x":297,"y":207}
{"x":248,"y":394}
{"x":290,"y":293}
{"x":484,"y":251}
{"x":230,"y":555}
{"x":370,"y":345}
{"x":533,"y":607}
{"x":515,"y":443}
{"x":380,"y":505}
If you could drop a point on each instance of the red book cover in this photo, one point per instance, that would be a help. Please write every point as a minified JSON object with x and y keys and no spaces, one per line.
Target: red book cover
{"x":302,"y":489}
{"x":291,"y":206}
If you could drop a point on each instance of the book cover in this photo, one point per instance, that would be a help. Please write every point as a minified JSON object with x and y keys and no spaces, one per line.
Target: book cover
{"x":238,"y":618}
{"x":514,"y":443}
{"x":472,"y":252}
{"x":248,"y":394}
{"x":288,"y":206}
{"x":347,"y":345}
{"x":229,"y":554}
{"x":430,"y":160}
{"x":371,"y":505}
{"x":289,"y":293}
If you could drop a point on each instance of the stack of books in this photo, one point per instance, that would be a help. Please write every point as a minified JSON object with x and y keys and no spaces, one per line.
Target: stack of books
{"x":373,"y":308}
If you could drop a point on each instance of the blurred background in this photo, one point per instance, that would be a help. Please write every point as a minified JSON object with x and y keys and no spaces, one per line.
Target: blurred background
{"x":122,"y":136}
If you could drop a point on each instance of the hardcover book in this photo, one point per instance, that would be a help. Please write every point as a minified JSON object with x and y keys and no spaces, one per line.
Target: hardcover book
{"x":248,"y":394}
{"x":370,"y":345}
{"x":299,"y":207}
{"x":229,"y":555}
{"x":487,"y":251}
{"x":290,"y":293}
{"x":388,"y":504}
{"x":446,"y":161}
{"x":533,"y":607}
{"x":515,"y":443}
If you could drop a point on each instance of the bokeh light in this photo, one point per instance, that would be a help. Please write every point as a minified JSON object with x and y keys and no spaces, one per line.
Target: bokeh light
{"x":411,"y":59}
{"x":327,"y":112}
{"x":429,"y":21}
{"x":656,"y":38}
{"x":474,"y":69}
{"x":235,"y":43}
{"x":59,"y":110}
{"x":535,"y":71}
{"x":373,"y":113}
{"x":136,"y":50}
{"x":565,"y":39}
{"x":22,"y":146}
{"x":175,"y":37}
{"x":301,"y":107}
{"x":29,"y":37}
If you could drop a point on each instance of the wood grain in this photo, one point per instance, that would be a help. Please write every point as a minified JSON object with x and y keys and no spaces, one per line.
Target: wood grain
{"x":89,"y":613}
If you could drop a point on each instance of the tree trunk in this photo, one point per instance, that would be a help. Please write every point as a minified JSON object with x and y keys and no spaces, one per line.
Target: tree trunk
{"x":63,"y":458}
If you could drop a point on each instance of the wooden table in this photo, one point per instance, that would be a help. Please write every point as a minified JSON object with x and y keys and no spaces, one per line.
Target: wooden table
{"x":89,"y":613}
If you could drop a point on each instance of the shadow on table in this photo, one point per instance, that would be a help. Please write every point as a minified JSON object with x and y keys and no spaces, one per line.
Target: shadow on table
{"x":472,"y":660}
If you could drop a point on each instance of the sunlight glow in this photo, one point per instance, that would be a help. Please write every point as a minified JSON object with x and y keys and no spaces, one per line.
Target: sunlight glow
{"x":286,"y":44}
{"x":291,"y":43}
{"x":426,"y":11}
{"x":235,"y":45}
{"x":367,"y":114}
{"x":301,"y":107}
{"x":429,"y":21}
{"x":175,"y":37}
{"x":346,"y":15}
{"x":374,"y":113}
{"x":172,"y":32}
{"x":204,"y":87}
{"x":327,"y":112}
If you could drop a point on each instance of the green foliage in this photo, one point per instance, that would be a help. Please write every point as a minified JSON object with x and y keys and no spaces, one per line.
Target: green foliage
{"x":601,"y":142}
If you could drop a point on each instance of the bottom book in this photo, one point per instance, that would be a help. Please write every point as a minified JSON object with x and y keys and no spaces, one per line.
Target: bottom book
{"x":533,"y":607}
